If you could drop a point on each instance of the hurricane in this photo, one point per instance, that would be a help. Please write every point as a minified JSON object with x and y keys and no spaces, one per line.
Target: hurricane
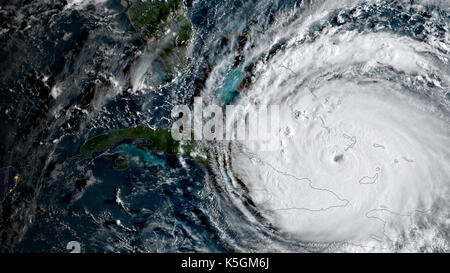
{"x":361,"y":161}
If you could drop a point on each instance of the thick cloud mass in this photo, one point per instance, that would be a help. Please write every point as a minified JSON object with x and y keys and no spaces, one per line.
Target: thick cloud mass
{"x":362,"y":155}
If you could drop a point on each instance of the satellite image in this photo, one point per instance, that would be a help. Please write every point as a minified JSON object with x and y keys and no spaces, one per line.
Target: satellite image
{"x":224,"y":126}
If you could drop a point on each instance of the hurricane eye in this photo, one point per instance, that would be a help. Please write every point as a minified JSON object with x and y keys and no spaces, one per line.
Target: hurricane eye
{"x":338,"y":158}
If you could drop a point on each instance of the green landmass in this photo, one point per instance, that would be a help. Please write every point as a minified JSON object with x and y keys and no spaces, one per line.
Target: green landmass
{"x":121,"y":163}
{"x":150,"y":15}
{"x":160,"y":141}
{"x":166,"y":27}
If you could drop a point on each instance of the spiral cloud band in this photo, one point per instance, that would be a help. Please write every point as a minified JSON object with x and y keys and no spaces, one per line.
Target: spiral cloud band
{"x":363,"y":151}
